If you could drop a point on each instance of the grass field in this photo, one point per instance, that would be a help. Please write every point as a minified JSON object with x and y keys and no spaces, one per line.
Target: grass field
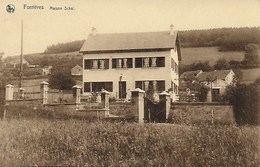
{"x":211,"y":54}
{"x":62,"y":136}
{"x":250,"y":75}
{"x":77,"y":143}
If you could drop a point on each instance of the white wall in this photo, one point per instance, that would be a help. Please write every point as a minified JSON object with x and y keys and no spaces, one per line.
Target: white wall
{"x":175,"y":75}
{"x":130,"y":75}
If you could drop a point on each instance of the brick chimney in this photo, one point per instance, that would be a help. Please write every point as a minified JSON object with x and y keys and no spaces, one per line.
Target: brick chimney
{"x":171,"y":29}
{"x":93,"y":31}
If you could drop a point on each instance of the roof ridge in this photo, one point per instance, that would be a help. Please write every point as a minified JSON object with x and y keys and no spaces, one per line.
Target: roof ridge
{"x":141,"y":32}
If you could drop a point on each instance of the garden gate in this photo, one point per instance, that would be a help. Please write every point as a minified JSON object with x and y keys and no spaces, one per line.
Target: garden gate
{"x":150,"y":111}
{"x":154,"y":111}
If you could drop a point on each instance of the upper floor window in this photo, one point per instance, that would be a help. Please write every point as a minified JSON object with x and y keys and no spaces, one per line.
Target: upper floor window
{"x":122,"y":63}
{"x":149,"y":62}
{"x":96,"y":63}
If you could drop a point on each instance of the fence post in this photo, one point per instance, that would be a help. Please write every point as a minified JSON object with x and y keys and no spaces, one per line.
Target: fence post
{"x":138,"y":99}
{"x":212,"y":116}
{"x":9,"y":92}
{"x":76,"y":94}
{"x":166,"y":96}
{"x":44,"y":89}
{"x":105,"y":101}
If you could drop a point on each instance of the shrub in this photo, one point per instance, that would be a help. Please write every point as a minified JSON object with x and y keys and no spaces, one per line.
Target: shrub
{"x":245,"y":101}
{"x":61,"y":81}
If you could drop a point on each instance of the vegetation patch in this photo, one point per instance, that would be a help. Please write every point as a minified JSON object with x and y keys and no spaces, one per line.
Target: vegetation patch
{"x":77,"y":143}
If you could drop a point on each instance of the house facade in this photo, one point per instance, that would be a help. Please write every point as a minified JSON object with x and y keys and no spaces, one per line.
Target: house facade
{"x":121,"y":62}
{"x":217,"y":80}
{"x":77,"y":70}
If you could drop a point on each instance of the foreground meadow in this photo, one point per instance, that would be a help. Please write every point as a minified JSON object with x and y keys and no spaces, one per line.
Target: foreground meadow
{"x":76,"y":142}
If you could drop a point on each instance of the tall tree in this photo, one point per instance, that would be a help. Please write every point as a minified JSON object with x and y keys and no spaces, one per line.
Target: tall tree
{"x":251,"y":55}
{"x":1,"y":59}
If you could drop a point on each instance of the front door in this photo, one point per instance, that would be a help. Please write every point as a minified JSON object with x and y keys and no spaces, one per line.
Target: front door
{"x":215,"y":95}
{"x":122,"y":89}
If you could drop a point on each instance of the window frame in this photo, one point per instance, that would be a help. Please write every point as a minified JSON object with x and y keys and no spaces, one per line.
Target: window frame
{"x":108,"y":86}
{"x":160,"y":62}
{"x":115,"y":61}
{"x":89,"y":65}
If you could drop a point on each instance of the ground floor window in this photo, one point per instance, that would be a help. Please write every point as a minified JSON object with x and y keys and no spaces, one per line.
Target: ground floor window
{"x":156,"y":85}
{"x":98,"y":86}
{"x":174,"y":88}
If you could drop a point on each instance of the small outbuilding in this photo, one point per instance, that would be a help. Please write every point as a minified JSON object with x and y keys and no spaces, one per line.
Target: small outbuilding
{"x":77,"y":70}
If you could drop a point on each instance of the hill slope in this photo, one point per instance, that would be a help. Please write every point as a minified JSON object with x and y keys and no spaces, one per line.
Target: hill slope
{"x":210,"y":54}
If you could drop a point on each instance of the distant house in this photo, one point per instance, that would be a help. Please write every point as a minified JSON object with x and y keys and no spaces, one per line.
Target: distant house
{"x":46,"y":70}
{"x":121,"y":62}
{"x":14,"y":62}
{"x":77,"y":70}
{"x":217,"y":80}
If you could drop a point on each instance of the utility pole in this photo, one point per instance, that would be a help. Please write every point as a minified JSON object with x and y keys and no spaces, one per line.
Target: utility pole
{"x":21,"y":57}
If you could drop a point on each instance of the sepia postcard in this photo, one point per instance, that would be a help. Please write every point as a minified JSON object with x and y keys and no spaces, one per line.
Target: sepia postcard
{"x":130,"y":83}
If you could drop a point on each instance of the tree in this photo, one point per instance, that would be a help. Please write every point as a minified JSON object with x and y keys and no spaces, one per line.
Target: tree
{"x":61,"y":81}
{"x":200,"y":90}
{"x":1,"y":59}
{"x":235,"y":64}
{"x":204,"y":66}
{"x":245,"y":101}
{"x":221,"y":64}
{"x":251,"y":55}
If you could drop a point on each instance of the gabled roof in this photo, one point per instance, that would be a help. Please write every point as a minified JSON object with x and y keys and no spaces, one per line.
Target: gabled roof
{"x":190,"y":74}
{"x":77,"y":66}
{"x":139,"y":41}
{"x":213,"y":75}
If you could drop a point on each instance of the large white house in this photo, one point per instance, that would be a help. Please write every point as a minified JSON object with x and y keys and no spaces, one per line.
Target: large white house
{"x":121,"y":62}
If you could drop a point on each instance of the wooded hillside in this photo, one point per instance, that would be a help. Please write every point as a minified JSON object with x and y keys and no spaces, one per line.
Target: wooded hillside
{"x":65,"y":47}
{"x":227,"y":39}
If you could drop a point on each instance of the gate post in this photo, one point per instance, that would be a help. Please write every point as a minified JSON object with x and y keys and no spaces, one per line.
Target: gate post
{"x":9,"y":92}
{"x":44,"y":89}
{"x":105,"y":101}
{"x":138,"y":99}
{"x":76,"y":95}
{"x":166,"y":96}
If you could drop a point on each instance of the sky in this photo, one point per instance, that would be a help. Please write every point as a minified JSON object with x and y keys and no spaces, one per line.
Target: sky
{"x":46,"y":27}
